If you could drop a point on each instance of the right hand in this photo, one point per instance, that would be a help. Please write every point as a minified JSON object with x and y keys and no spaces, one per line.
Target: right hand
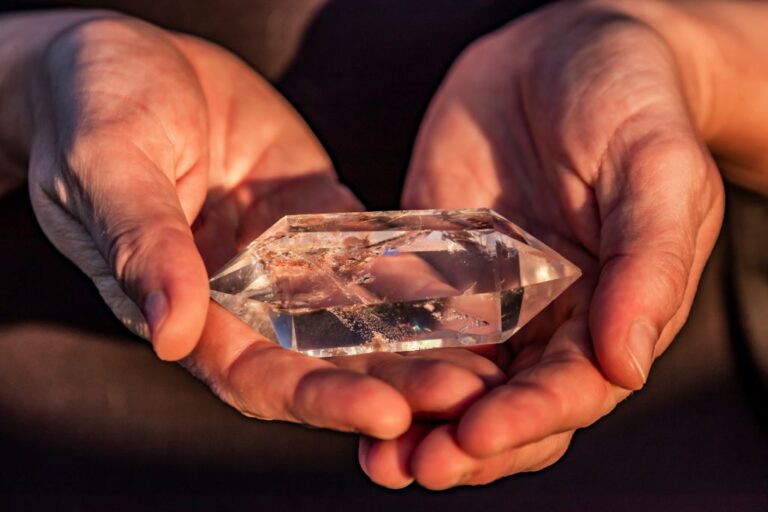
{"x":572,"y":122}
{"x":137,"y":134}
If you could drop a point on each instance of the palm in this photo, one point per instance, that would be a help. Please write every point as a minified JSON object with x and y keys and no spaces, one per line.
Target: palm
{"x":539,"y":151}
{"x":559,"y":132}
{"x":179,"y":133}
{"x":264,"y":161}
{"x":258,"y":173}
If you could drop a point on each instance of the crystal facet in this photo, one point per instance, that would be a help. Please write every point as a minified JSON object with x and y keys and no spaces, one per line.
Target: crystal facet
{"x":351,"y":283}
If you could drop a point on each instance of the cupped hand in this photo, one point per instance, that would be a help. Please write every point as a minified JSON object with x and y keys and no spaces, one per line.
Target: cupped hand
{"x":154,"y":157}
{"x":573,"y":123}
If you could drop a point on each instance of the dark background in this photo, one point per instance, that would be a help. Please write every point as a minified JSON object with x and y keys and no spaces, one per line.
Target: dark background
{"x":90,"y":420}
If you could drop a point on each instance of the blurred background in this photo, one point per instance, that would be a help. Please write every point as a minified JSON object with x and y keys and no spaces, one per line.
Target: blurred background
{"x":90,"y":419}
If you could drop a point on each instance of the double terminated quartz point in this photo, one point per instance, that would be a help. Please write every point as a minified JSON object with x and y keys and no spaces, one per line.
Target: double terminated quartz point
{"x":351,"y":283}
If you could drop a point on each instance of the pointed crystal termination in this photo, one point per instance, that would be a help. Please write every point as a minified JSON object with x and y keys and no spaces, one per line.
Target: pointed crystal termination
{"x":351,"y":283}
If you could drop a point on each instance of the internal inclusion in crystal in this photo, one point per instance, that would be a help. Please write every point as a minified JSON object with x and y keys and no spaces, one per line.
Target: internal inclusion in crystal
{"x":352,"y":283}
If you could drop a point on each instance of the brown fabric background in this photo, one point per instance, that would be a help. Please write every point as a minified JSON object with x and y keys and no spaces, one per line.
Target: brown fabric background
{"x":89,"y":419}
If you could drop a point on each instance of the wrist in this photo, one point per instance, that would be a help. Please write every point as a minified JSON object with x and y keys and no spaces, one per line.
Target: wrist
{"x":690,"y":45}
{"x":721,"y":49}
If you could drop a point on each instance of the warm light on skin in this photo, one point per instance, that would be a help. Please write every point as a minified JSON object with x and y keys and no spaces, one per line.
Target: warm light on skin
{"x":580,"y":127}
{"x":144,"y":170}
{"x":588,"y":120}
{"x":721,"y":48}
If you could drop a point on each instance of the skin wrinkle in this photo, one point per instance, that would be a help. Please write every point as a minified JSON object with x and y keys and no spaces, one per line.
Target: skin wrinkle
{"x":236,"y":357}
{"x":528,"y":380}
{"x":274,"y":188}
{"x":99,"y":274}
{"x":560,"y":448}
{"x":671,"y":278}
{"x":150,"y":200}
{"x":113,"y":253}
{"x":429,"y":374}
{"x":541,"y":194}
{"x":618,"y":188}
{"x":248,"y":176}
{"x":502,"y":167}
{"x":238,"y":400}
{"x":99,"y":125}
{"x":307,"y":396}
{"x":680,"y":314}
{"x":120,"y":244}
{"x":696,"y":82}
{"x":727,"y":46}
{"x":229,"y":169}
{"x":479,"y":183}
{"x":98,"y":61}
{"x":215,"y":173}
{"x":190,"y":204}
{"x":678,"y":300}
{"x":571,"y":220}
{"x":624,"y":134}
{"x":172,"y":180}
{"x":178,"y":147}
{"x":65,"y":189}
{"x":127,"y":247}
{"x":590,"y":178}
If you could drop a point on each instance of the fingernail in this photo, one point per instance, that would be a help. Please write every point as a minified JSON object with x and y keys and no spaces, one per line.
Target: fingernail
{"x":155,"y":309}
{"x":641,"y":344}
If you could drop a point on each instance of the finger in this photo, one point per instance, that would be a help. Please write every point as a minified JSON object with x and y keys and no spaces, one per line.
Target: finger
{"x":227,"y":224}
{"x":131,"y":237}
{"x":434,"y":384}
{"x":265,"y":161}
{"x":562,"y":392}
{"x":439,"y":462}
{"x":652,"y":233}
{"x":478,"y":362}
{"x":528,"y":356}
{"x":263,"y":380}
{"x":320,"y":192}
{"x":387,"y":462}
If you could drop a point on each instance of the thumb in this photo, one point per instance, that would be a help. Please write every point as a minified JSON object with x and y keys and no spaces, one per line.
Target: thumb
{"x":124,"y":227}
{"x":116,"y":143}
{"x":658,"y":228}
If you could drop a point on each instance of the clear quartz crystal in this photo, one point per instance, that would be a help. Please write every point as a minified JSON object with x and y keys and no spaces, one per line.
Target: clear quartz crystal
{"x":351,"y":283}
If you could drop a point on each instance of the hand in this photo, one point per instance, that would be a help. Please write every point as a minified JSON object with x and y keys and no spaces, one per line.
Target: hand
{"x":139,"y":133}
{"x":572,"y":122}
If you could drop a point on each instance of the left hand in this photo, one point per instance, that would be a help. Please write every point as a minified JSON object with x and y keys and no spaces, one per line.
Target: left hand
{"x":571,"y":122}
{"x":153,"y":157}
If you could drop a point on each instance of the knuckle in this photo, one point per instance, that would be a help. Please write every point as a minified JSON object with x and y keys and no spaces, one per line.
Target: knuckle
{"x":128,"y":244}
{"x":95,"y":81}
{"x":552,"y":458}
{"x":239,"y":387}
{"x":82,"y":148}
{"x":429,"y":374}
{"x":671,"y":272}
{"x":558,"y":403}
{"x":123,"y":249}
{"x":672,"y":153}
